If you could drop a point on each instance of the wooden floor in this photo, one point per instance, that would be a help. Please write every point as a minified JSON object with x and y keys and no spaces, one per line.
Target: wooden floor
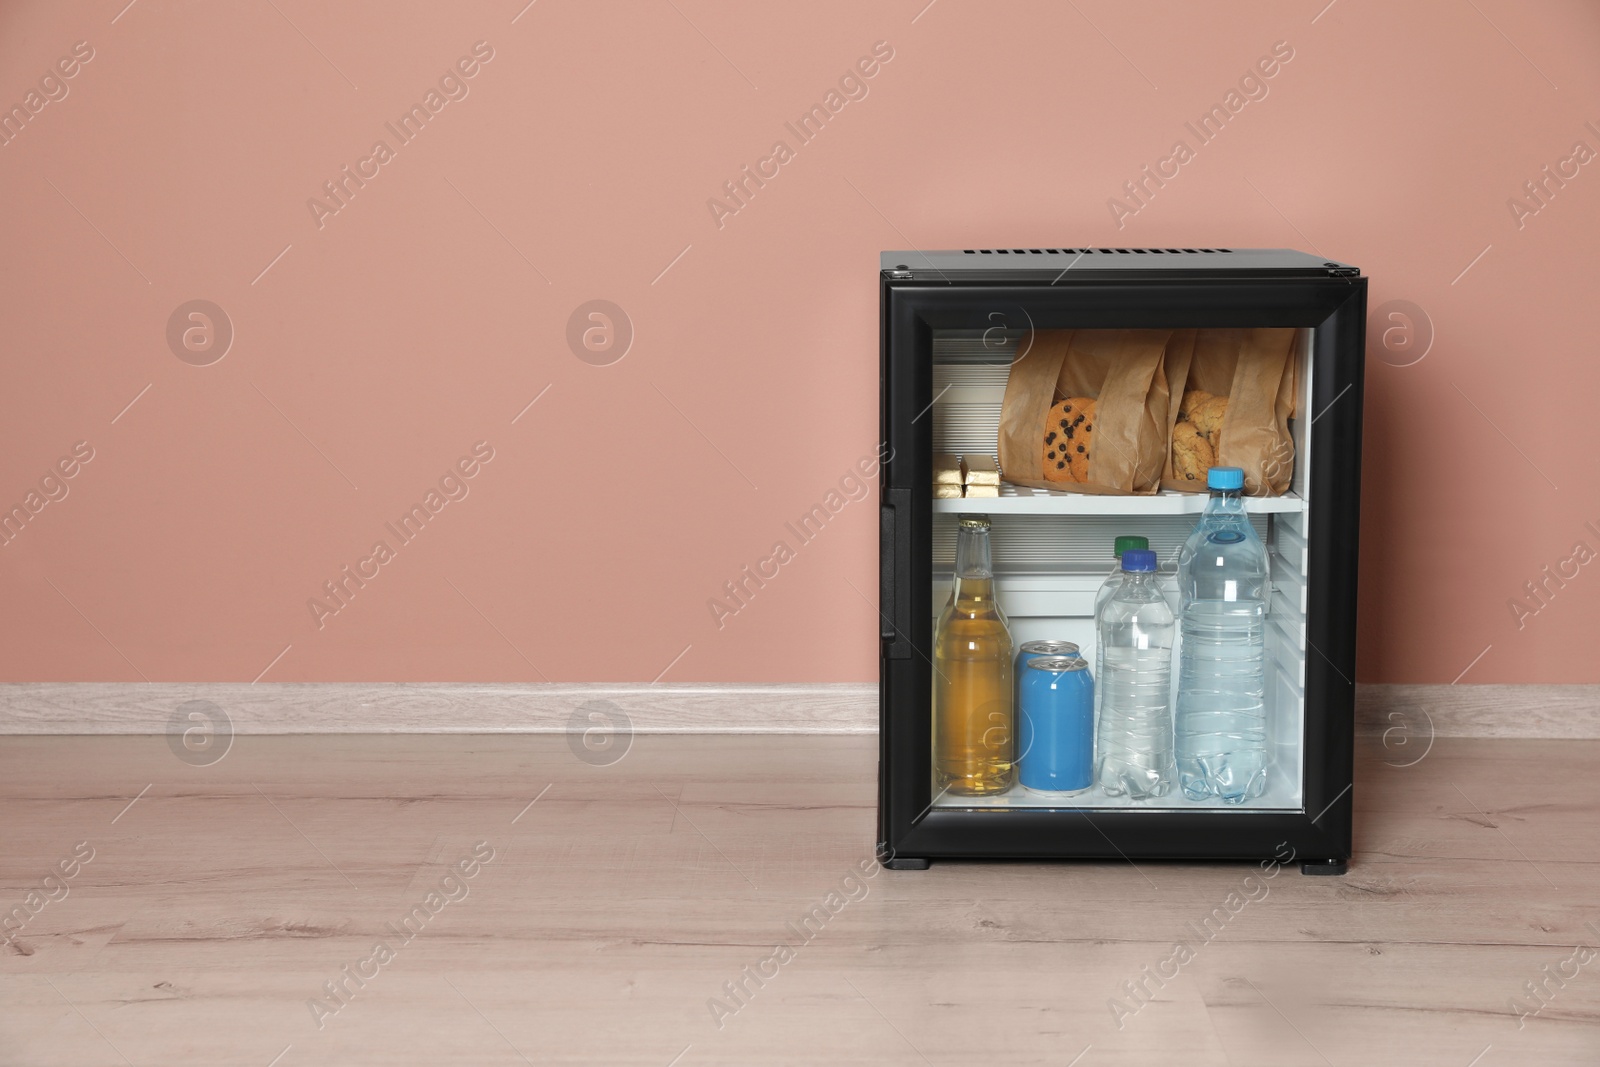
{"x":219,"y":906}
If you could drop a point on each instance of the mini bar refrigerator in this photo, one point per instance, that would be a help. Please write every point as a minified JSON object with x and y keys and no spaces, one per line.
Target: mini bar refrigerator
{"x":951,"y":326}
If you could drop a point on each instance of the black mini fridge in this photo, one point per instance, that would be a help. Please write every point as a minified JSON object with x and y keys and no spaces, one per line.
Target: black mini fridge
{"x":952,"y":325}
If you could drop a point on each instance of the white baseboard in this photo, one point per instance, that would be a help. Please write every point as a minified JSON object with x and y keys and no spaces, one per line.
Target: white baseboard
{"x":1556,"y":711}
{"x":449,"y":708}
{"x":1553,"y":711}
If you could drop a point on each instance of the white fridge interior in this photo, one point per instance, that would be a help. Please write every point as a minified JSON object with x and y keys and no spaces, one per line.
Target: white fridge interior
{"x":1052,"y":550}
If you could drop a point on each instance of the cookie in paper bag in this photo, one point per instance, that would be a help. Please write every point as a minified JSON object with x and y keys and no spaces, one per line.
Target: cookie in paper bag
{"x":1068,"y":439}
{"x":1192,"y":398}
{"x":1191,"y":453}
{"x":1205,"y":412}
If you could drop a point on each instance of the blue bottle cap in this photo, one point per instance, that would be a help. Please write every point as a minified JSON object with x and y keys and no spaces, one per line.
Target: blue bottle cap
{"x":1139,"y":561}
{"x":1225,"y":478}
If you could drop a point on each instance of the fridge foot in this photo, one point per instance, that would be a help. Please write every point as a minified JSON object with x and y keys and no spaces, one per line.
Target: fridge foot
{"x":904,"y":863}
{"x":1325,"y":867}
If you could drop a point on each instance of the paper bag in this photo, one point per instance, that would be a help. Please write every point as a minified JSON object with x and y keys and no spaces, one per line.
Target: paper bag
{"x":1258,"y":373}
{"x":1123,"y":371}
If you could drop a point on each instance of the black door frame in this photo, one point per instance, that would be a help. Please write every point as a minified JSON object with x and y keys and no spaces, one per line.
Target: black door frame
{"x":910,"y":830}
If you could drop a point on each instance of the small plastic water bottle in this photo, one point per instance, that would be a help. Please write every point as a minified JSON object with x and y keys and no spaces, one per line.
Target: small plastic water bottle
{"x":1124,"y":543}
{"x":1135,"y":730}
{"x":1224,"y":583}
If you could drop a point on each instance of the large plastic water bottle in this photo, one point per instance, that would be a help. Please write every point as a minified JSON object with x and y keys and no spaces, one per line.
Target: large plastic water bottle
{"x":1224,"y":584}
{"x":1135,"y":638}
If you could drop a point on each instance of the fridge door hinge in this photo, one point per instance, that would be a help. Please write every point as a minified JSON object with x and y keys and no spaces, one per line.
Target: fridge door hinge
{"x":899,"y":275}
{"x":1338,"y":271}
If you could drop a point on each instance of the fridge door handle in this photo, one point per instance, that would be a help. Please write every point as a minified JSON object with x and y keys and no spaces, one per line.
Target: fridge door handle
{"x":894,"y":579}
{"x":886,"y":572}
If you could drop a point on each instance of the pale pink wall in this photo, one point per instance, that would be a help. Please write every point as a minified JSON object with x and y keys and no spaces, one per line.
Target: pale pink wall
{"x":423,"y":316}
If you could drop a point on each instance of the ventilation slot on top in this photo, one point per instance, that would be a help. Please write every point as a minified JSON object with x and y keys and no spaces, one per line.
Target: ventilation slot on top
{"x":1093,"y":251}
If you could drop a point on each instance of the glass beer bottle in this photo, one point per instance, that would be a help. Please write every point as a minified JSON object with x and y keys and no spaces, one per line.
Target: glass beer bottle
{"x":974,"y":736}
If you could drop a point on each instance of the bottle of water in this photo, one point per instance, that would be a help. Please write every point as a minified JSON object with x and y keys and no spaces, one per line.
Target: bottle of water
{"x":1224,"y":584}
{"x":1135,"y":640}
{"x":1107,"y":588}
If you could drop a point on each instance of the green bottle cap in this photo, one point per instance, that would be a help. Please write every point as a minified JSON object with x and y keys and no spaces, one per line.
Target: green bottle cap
{"x":1126,"y":544}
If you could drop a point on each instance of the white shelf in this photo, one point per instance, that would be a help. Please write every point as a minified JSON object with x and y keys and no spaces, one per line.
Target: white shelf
{"x":1282,"y":795}
{"x":1020,"y":799}
{"x":1022,"y":500}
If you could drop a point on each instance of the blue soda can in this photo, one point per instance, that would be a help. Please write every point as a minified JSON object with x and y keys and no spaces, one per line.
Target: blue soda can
{"x":1035,"y":649}
{"x":1056,"y":708}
